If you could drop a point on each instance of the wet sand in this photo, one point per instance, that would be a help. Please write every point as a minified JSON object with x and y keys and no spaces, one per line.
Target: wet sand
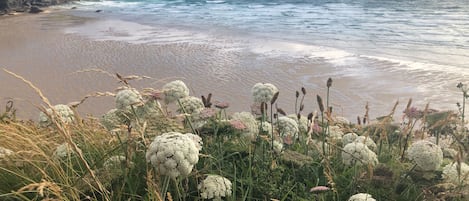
{"x":38,"y":48}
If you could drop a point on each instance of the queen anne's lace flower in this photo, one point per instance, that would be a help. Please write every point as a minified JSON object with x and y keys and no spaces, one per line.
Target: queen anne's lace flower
{"x":278,"y":147}
{"x":302,"y":123}
{"x":349,"y":138}
{"x":288,"y":128}
{"x":263,"y":92}
{"x":114,"y":161}
{"x":368,"y":141}
{"x":63,"y":150}
{"x":175,"y":90}
{"x":361,"y":197}
{"x":358,"y":153}
{"x":335,"y":133}
{"x":249,"y":122}
{"x":173,"y":154}
{"x":191,"y":105}
{"x":426,"y":155}
{"x":63,"y":111}
{"x":112,"y":120}
{"x":450,"y":174}
{"x":127,"y":97}
{"x":4,"y":152}
{"x":215,"y":187}
{"x":266,"y":128}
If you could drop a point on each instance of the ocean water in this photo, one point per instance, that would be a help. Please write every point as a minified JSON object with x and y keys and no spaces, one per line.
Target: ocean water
{"x":376,"y":51}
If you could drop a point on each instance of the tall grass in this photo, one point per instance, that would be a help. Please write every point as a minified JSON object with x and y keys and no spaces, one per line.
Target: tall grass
{"x":33,"y":171}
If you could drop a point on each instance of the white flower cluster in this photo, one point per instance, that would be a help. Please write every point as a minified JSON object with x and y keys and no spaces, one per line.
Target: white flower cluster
{"x":173,"y":154}
{"x":113,"y":162}
{"x":175,"y":90}
{"x":361,"y":197}
{"x":4,"y":152}
{"x":215,"y":187}
{"x":288,"y":128}
{"x":111,"y":120}
{"x":278,"y":147}
{"x":127,"y":97}
{"x":263,"y":92}
{"x":358,"y":153}
{"x":63,"y":111}
{"x":196,"y":139}
{"x":426,"y":155}
{"x":266,"y":128}
{"x":368,"y":142}
{"x":450,"y":174}
{"x":335,"y":133}
{"x":349,"y":138}
{"x":249,"y":121}
{"x":63,"y":150}
{"x":302,"y":122}
{"x":191,"y":105}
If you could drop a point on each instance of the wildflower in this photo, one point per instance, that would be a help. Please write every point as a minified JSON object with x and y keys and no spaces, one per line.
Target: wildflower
{"x":335,"y":133}
{"x":63,"y":150}
{"x":263,"y":93}
{"x":278,"y":147}
{"x":413,"y":113}
{"x":173,"y":154}
{"x":451,"y":175}
{"x":361,"y":197}
{"x":114,"y":161}
{"x":127,"y":97}
{"x":196,"y":139}
{"x":237,"y":124}
{"x":249,"y":121}
{"x":112,"y":120}
{"x":358,"y":153}
{"x":426,"y":155}
{"x":349,"y":138}
{"x":368,"y":142}
{"x":4,"y":152}
{"x":207,"y":113}
{"x":302,"y":122}
{"x":265,"y":128}
{"x":222,"y":105}
{"x":190,"y":105}
{"x":215,"y":187}
{"x":288,"y":128}
{"x":175,"y":90}
{"x":64,"y":112}
{"x":319,"y":189}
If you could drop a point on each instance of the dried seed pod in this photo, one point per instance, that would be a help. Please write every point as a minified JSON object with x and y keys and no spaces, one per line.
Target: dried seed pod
{"x":321,"y":105}
{"x":274,"y":98}
{"x":329,"y":82}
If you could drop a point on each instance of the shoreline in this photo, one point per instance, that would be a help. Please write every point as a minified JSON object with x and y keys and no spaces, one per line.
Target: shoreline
{"x":52,"y":62}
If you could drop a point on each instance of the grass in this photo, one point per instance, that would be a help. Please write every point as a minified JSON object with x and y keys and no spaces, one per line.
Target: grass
{"x":34,"y":171}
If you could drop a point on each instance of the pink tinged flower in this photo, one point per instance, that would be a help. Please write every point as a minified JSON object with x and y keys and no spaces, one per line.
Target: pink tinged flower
{"x":237,"y":124}
{"x":222,"y":105}
{"x":288,"y":140}
{"x":319,"y":189}
{"x":207,"y":113}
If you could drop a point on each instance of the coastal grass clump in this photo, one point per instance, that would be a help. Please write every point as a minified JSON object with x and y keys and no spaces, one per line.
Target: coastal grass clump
{"x":168,"y":144}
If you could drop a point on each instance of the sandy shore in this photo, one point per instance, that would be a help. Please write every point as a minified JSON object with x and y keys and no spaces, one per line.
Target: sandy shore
{"x":39,"y":48}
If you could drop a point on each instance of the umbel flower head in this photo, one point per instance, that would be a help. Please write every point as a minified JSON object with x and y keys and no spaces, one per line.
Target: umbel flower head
{"x":112,"y":120}
{"x":175,"y":90}
{"x":358,"y":153}
{"x":426,"y":155}
{"x":173,"y":154}
{"x":127,"y":97}
{"x":191,"y":105}
{"x":288,"y":128}
{"x":215,"y":187}
{"x":349,"y":138}
{"x":368,"y":142}
{"x":63,"y":111}
{"x":249,"y":122}
{"x":263,"y":93}
{"x":361,"y":197}
{"x":63,"y":150}
{"x":451,"y":175}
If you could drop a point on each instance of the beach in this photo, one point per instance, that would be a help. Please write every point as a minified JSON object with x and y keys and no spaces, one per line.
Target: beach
{"x":53,"y":49}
